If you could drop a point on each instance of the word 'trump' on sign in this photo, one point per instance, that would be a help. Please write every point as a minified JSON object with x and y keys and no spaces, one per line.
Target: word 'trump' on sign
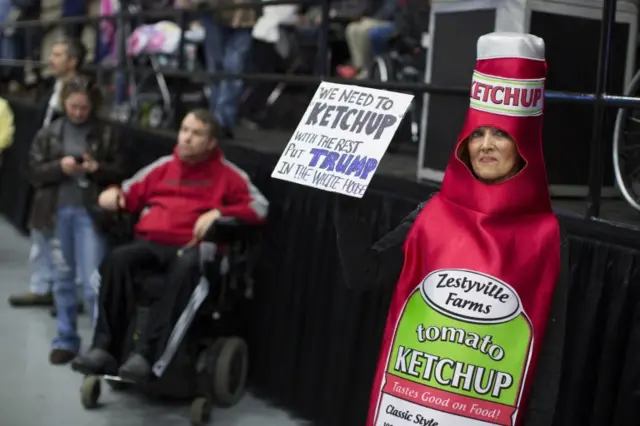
{"x":341,"y":138}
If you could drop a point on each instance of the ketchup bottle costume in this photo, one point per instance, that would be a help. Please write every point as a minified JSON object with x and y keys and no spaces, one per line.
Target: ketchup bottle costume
{"x":475,"y":329}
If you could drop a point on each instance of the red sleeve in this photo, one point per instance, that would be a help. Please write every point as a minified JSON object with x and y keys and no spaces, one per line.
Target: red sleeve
{"x":242,"y":200}
{"x":139,"y":187}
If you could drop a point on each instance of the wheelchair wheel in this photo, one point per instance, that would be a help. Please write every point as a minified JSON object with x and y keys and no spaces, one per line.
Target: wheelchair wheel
{"x":382,"y":69}
{"x":200,"y":411}
{"x":626,"y":148}
{"x":230,"y":372}
{"x":90,"y":392}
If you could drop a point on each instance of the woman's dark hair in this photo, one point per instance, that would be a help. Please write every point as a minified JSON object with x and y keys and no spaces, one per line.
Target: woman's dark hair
{"x":85,"y":85}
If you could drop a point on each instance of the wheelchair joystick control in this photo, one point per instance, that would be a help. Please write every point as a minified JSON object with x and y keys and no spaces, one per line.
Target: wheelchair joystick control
{"x":216,"y":315}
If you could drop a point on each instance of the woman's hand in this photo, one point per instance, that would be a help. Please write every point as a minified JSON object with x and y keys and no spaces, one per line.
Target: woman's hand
{"x":204,"y":222}
{"x":90,"y":165}
{"x":70,"y":166}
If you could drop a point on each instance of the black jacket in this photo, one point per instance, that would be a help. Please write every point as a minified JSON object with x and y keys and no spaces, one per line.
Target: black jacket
{"x":366,"y":263}
{"x":45,"y":172}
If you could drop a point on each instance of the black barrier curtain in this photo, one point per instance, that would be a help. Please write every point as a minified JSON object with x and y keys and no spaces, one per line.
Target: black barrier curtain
{"x":601,"y":374}
{"x":314,"y":344}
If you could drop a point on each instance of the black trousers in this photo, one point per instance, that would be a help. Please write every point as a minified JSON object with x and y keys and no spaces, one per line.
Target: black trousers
{"x":265,"y":59}
{"x":119,"y":291}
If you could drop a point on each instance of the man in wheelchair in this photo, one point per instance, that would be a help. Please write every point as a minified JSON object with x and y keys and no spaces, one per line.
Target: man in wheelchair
{"x":178,"y":198}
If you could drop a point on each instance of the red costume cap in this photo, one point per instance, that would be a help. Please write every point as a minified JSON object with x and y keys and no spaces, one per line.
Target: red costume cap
{"x":507,"y":92}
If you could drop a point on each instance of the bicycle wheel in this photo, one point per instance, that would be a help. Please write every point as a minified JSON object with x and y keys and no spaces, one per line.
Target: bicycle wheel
{"x":626,"y":148}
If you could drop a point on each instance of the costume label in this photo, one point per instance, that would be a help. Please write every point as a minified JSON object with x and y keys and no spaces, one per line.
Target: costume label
{"x":496,"y":95}
{"x":459,"y":356}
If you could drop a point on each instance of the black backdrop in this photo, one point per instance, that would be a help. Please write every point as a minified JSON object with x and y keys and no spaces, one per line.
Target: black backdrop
{"x":314,"y":343}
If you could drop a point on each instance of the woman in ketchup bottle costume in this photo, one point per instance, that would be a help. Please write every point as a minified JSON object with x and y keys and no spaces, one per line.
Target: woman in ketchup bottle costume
{"x":475,"y":329}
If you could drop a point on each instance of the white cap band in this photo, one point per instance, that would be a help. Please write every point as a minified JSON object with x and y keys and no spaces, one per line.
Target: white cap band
{"x":510,"y":45}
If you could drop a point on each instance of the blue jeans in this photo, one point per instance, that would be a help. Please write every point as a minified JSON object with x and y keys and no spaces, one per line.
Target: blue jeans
{"x":77,"y":248}
{"x":379,"y":38}
{"x":226,"y":50}
{"x":40,"y":264}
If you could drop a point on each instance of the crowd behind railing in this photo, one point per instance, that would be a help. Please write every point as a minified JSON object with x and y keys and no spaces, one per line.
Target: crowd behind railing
{"x":270,"y":39}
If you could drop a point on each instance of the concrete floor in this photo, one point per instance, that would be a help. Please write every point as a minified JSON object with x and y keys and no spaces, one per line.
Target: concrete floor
{"x":34,"y":393}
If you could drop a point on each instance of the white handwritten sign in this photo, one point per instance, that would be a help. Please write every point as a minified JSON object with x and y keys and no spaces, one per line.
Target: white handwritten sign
{"x":341,"y":138}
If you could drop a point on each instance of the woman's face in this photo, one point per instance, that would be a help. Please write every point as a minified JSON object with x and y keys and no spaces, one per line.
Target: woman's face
{"x":493,"y":155}
{"x":77,"y":107}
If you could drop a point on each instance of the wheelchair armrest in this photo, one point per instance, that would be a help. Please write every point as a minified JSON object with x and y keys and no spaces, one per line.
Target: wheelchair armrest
{"x":226,"y":230}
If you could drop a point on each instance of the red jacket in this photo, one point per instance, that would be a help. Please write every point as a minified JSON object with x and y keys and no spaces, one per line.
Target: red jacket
{"x":171,"y":194}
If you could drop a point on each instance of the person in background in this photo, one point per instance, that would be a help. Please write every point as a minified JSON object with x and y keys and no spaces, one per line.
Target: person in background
{"x":379,"y":38}
{"x":181,"y":195}
{"x":65,"y":59}
{"x":357,"y":35}
{"x":7,"y":128}
{"x":411,"y":21}
{"x":25,"y":41}
{"x":227,"y":44}
{"x":310,"y":22}
{"x":268,"y":51}
{"x":70,"y":162}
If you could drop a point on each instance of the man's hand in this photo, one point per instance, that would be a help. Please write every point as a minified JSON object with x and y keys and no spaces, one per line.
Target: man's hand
{"x":204,"y":222}
{"x":111,"y":199}
{"x":69,"y":165}
{"x":90,"y":165}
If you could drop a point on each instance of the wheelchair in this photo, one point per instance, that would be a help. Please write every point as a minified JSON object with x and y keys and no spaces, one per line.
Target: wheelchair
{"x":210,"y":363}
{"x":405,"y":62}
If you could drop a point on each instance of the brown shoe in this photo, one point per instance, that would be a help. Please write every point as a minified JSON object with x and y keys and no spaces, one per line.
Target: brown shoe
{"x":30,"y":299}
{"x":61,"y":356}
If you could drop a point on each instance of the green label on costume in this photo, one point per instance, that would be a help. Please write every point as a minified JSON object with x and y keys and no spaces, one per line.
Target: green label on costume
{"x":459,"y":356}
